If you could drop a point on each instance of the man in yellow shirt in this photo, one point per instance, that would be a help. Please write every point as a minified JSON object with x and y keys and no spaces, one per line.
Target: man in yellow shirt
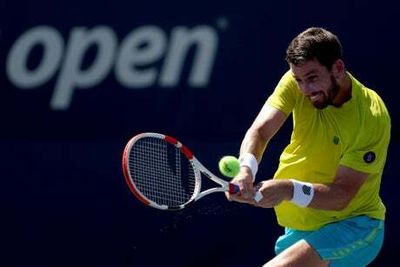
{"x":326,"y":189}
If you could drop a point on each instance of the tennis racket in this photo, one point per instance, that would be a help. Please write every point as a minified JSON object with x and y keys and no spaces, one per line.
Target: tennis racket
{"x":164,"y":174}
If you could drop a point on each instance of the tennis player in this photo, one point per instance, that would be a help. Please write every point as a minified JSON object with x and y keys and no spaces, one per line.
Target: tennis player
{"x":326,"y":189}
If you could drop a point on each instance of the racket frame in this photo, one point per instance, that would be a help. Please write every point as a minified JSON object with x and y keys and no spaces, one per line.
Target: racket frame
{"x":198,"y":169}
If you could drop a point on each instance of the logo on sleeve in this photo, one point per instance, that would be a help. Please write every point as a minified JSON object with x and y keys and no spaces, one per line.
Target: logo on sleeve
{"x":369,"y":157}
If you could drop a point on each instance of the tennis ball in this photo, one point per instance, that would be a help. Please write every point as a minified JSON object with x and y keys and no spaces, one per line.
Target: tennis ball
{"x":229,"y":166}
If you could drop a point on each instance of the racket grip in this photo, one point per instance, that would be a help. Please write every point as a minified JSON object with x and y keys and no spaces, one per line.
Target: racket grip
{"x":233,"y":188}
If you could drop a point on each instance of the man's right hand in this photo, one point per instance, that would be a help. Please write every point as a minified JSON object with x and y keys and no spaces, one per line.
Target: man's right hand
{"x":245,"y":182}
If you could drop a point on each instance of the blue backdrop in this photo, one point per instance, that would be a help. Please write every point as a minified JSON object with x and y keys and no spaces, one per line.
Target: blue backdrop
{"x":78,"y":79}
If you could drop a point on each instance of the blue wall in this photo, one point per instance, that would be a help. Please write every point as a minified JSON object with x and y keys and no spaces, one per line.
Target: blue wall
{"x":79,"y":79}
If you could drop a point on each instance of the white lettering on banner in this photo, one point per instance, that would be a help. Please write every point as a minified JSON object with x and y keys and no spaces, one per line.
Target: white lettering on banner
{"x":16,"y":65}
{"x":181,"y":41}
{"x":132,"y":54}
{"x":135,"y":60}
{"x":71,"y":76}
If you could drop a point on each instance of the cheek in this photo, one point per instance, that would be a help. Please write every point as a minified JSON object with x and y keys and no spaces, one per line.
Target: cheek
{"x":301,"y":86}
{"x":315,"y":87}
{"x":308,"y":87}
{"x":325,"y":86}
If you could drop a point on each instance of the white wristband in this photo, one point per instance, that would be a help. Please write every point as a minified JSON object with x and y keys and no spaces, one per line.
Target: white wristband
{"x":303,"y":193}
{"x":249,"y":160}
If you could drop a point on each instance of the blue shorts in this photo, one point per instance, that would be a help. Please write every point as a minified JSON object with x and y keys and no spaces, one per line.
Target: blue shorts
{"x":352,"y":242}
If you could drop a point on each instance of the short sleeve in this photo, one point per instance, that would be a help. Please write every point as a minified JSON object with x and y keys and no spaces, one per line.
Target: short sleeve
{"x":285,"y":94}
{"x":370,"y":158}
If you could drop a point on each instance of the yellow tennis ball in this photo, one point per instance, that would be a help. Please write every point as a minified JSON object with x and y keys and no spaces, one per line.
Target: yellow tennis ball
{"x":229,"y":166}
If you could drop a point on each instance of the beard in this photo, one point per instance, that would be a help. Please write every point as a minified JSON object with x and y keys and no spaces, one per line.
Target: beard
{"x":327,"y":98}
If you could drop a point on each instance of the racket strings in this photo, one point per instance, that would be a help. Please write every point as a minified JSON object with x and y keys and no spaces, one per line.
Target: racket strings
{"x":161,"y":172}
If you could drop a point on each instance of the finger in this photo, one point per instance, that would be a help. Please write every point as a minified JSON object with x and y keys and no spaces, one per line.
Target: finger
{"x":239,"y":198}
{"x":232,"y":196}
{"x":242,"y":188}
{"x":245,"y":193}
{"x":242,"y":185}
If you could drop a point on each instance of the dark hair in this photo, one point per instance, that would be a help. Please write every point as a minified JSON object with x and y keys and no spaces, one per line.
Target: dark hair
{"x":314,"y":43}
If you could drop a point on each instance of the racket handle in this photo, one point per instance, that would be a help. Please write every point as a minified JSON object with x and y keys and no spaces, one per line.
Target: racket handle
{"x":233,"y":188}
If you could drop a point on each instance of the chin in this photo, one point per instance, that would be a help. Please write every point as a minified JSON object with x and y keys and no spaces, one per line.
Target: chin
{"x":320,"y":105}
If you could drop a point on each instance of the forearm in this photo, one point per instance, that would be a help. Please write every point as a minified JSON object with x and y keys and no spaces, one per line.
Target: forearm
{"x":338,"y":194}
{"x":264,"y":127}
{"x":320,"y":196}
{"x":335,"y":196}
{"x":255,"y":143}
{"x":330,"y":197}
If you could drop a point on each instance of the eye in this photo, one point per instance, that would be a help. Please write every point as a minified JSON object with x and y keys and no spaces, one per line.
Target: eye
{"x":299,"y":82}
{"x":312,"y":78}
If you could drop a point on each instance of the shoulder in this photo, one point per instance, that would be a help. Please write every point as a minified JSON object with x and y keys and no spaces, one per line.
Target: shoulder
{"x":370,"y":100}
{"x":288,"y":79}
{"x":287,"y":85}
{"x":374,"y":119}
{"x":285,"y":94}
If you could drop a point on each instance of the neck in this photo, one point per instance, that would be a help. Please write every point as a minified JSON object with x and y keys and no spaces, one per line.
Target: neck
{"x":344,"y":93}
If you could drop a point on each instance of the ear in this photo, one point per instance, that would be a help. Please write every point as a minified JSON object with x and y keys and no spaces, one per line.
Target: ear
{"x":338,"y":69}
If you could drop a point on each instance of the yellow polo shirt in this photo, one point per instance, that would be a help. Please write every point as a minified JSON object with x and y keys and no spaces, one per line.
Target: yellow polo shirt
{"x":355,"y":135}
